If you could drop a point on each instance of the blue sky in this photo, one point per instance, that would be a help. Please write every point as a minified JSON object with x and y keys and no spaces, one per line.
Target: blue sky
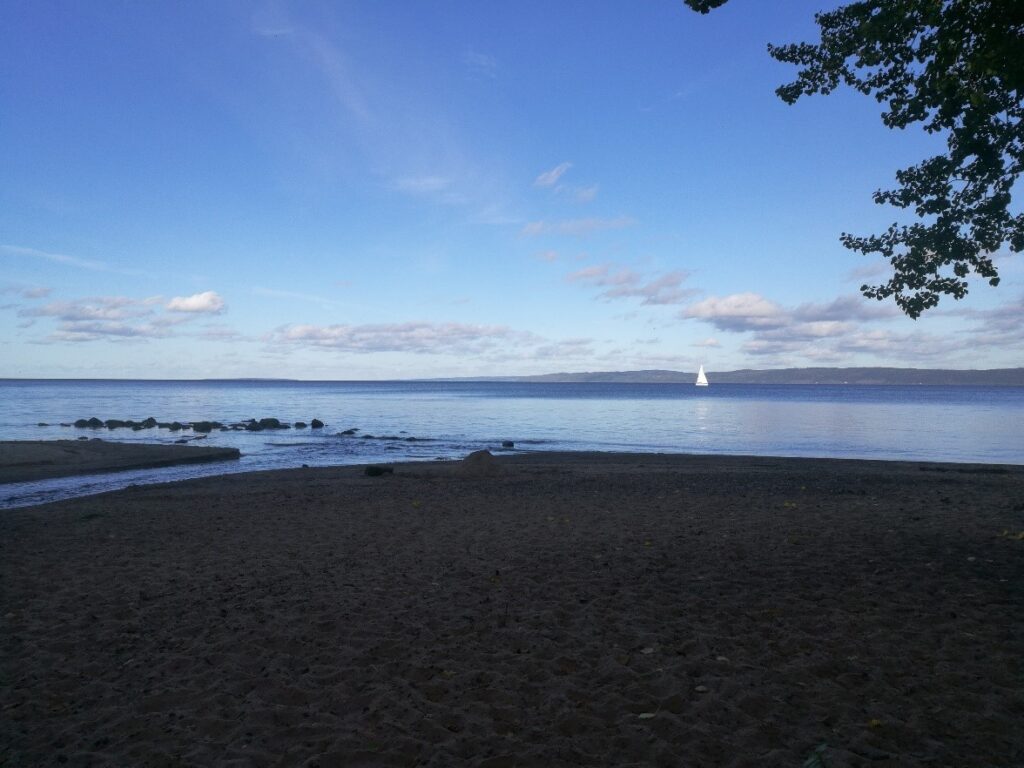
{"x":388,"y":190}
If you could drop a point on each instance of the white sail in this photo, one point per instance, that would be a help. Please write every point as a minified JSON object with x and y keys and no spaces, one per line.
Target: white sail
{"x":702,"y":380}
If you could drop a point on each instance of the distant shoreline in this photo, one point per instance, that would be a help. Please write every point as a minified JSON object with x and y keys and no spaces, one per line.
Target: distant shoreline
{"x":865,"y":376}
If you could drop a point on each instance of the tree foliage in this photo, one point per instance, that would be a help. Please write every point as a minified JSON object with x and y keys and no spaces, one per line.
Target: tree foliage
{"x":957,"y":68}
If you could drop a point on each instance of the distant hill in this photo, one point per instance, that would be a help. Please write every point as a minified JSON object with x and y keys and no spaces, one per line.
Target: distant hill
{"x":993,"y":377}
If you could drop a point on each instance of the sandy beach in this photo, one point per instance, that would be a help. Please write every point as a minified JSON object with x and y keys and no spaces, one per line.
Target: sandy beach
{"x":535,"y":610}
{"x":22,"y":460}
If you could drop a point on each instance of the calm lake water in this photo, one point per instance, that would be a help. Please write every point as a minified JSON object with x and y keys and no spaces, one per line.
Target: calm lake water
{"x":448,"y":420}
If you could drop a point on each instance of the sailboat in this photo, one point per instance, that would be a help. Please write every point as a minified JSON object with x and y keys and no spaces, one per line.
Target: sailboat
{"x":702,"y":380}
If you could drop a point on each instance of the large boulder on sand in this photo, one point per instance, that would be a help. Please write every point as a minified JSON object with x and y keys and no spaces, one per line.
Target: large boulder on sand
{"x":479,"y":463}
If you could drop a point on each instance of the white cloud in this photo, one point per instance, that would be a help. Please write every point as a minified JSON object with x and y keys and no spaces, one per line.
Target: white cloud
{"x":1000,"y":328}
{"x":309,"y":298}
{"x":207,"y":302}
{"x":220,"y":332}
{"x":416,"y":337}
{"x":870,"y":272}
{"x":423,"y":185}
{"x":1007,"y":318}
{"x":845,"y":308}
{"x":435,"y":188}
{"x":741,"y":312}
{"x":103,"y":308}
{"x":116,"y":317}
{"x":593,"y":274}
{"x":82,"y":330}
{"x":480,"y":64}
{"x":275,"y":31}
{"x":576,"y":227}
{"x":886,"y":346}
{"x":491,"y":343}
{"x":624,"y":283}
{"x":738,"y":312}
{"x":660,"y":290}
{"x":550,"y":178}
{"x":26,"y":292}
{"x":271,"y":21}
{"x":564,"y":350}
{"x":709,"y":342}
{"x":496,"y":214}
{"x":832,"y":332}
{"x":585,"y":194}
{"x":334,"y":67}
{"x":61,"y":258}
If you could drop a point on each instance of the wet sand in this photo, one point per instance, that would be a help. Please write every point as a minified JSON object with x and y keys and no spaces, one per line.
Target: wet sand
{"x":540,"y":610}
{"x":22,"y":460}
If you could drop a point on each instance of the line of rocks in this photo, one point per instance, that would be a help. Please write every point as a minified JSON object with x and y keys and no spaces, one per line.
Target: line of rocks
{"x":250,"y":425}
{"x":351,"y":432}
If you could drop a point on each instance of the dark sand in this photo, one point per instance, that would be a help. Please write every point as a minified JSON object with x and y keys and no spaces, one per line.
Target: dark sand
{"x":547,"y":611}
{"x":22,"y":460}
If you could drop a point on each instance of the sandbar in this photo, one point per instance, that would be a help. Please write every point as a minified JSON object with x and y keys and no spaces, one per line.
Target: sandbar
{"x":538,"y":610}
{"x":24,"y":460}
